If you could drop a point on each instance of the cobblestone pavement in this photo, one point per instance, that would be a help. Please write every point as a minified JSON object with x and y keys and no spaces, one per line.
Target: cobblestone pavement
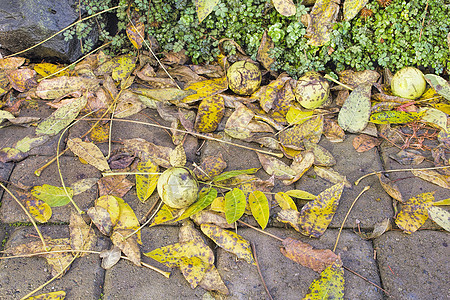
{"x":406,"y":266}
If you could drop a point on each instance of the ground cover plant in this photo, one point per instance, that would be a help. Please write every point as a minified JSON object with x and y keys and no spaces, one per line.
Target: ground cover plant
{"x":283,"y":117}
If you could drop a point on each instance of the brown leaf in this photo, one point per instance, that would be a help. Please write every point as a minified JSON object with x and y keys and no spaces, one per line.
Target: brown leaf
{"x":210,"y":217}
{"x":146,"y":150}
{"x":212,"y":281}
{"x":110,"y":257}
{"x":353,"y":79}
{"x":82,"y":236}
{"x":265,"y":47}
{"x":136,"y":33}
{"x":129,"y":246}
{"x":120,"y":161}
{"x":301,"y":164}
{"x":114,"y":185}
{"x":311,"y":130}
{"x":331,"y":175}
{"x":289,"y":216}
{"x":333,"y":132}
{"x":304,"y":254}
{"x":101,"y":218}
{"x":390,"y":187}
{"x":89,"y":152}
{"x":323,"y":15}
{"x":22,"y":79}
{"x":378,"y":229}
{"x":408,"y":157}
{"x":363,"y":143}
{"x":210,"y":167}
{"x":237,"y":123}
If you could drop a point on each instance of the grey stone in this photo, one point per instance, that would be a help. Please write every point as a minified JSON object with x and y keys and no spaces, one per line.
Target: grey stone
{"x":416,"y":266}
{"x":72,"y":170}
{"x":286,"y":279}
{"x":19,"y":276}
{"x":127,"y":281}
{"x":26,"y":23}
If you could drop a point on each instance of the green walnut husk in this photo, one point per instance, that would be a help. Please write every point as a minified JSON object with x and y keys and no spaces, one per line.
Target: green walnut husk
{"x":311,"y":90}
{"x":177,"y":187}
{"x":244,"y":78}
{"x":408,"y":83}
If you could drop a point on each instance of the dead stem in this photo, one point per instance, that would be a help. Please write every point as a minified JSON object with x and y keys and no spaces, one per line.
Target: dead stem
{"x":259,"y":270}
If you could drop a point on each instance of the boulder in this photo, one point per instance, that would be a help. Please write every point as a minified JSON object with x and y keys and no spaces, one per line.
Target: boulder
{"x":24,"y":23}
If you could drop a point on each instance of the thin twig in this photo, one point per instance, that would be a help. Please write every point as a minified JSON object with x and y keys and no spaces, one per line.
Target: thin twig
{"x":423,"y":21}
{"x":259,"y":270}
{"x":27,"y":213}
{"x":360,"y":276}
{"x":348,"y":212}
{"x":262,"y":231}
{"x":145,"y":224}
{"x":338,"y":82}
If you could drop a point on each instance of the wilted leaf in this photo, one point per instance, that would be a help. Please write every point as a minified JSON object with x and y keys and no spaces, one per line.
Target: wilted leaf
{"x":408,"y":157}
{"x":52,"y":195}
{"x":162,"y":95}
{"x":22,"y":79}
{"x":47,"y":69}
{"x":442,"y":202}
{"x":301,"y":163}
{"x":394,"y":117}
{"x":304,"y":254}
{"x":440,"y":216}
{"x":237,"y":125}
{"x":204,"y":8}
{"x":136,"y":33}
{"x":439,"y":84}
{"x":213,"y":282}
{"x":352,"y":78}
{"x":82,"y":236}
{"x":177,"y":157}
{"x":301,"y":194}
{"x":234,"y":173}
{"x":229,"y":241}
{"x":210,"y":112}
{"x":211,"y":217}
{"x":101,"y":218}
{"x":311,"y":130}
{"x":434,"y":117}
{"x":110,"y":257}
{"x":129,"y":246}
{"x":316,"y":215}
{"x":165,"y":214}
{"x":234,"y":205}
{"x":330,"y":285}
{"x":111,"y":204}
{"x":59,"y":260}
{"x":127,"y":219}
{"x":378,"y":230}
{"x":322,"y":17}
{"x":354,"y":114}
{"x":331,"y":175}
{"x":146,"y":183}
{"x":322,"y":157}
{"x":264,"y":49}
{"x":171,"y":255}
{"x":290,"y":217}
{"x":11,"y":63}
{"x":41,"y":211}
{"x":58,"y":87}
{"x":146,"y":150}
{"x":433,"y":177}
{"x":333,"y":132}
{"x":83,"y":185}
{"x":122,"y":66}
{"x":210,"y":167}
{"x":364,"y":142}
{"x":205,"y":88}
{"x":128,"y":104}
{"x":414,"y":212}
{"x":276,"y":167}
{"x":62,"y":117}
{"x":352,"y":8}
{"x":59,"y":295}
{"x":285,"y":201}
{"x":390,"y":187}
{"x":89,"y":152}
{"x":298,"y":116}
{"x":200,"y":204}
{"x":117,"y":185}
{"x":193,"y":269}
{"x":286,"y":8}
{"x":10,"y":154}
{"x":259,"y":206}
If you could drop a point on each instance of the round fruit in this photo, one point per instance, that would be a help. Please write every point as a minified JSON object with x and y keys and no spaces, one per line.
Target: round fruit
{"x":311,"y":90}
{"x":408,"y":83}
{"x":243,"y":77}
{"x":177,"y":187}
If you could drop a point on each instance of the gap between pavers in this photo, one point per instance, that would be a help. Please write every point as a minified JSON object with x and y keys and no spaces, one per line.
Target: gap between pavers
{"x":19,"y":276}
{"x":414,"y":266}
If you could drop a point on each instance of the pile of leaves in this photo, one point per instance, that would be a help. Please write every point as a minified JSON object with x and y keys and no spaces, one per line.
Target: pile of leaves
{"x":195,"y":100}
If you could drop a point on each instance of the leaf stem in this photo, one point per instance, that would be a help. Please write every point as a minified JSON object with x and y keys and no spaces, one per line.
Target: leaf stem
{"x":338,"y":82}
{"x":348,"y":212}
{"x":262,"y":231}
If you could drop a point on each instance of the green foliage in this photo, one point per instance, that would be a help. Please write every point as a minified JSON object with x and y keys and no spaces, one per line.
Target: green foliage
{"x":393,"y":37}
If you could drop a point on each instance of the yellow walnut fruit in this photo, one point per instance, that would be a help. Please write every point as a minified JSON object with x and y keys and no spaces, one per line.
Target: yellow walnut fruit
{"x":177,"y":187}
{"x":243,"y":77}
{"x":311,"y":90}
{"x":408,"y":83}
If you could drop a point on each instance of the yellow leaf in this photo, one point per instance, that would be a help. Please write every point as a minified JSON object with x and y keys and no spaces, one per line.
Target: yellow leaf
{"x":127,"y":218}
{"x":440,"y":216}
{"x":204,"y":8}
{"x":301,"y":194}
{"x":229,"y":241}
{"x":414,"y":212}
{"x":265,"y":47}
{"x":323,"y":15}
{"x":89,"y":152}
{"x":316,"y":215}
{"x":136,"y":33}
{"x":237,"y":125}
{"x":82,"y":236}
{"x":434,"y":117}
{"x":146,"y":184}
{"x":289,"y":216}
{"x":260,"y":207}
{"x":210,"y":112}
{"x":193,"y":269}
{"x":297,"y":116}
{"x":47,"y":69}
{"x":218,"y":204}
{"x":276,"y":167}
{"x":111,"y":204}
{"x":331,"y":175}
{"x":322,"y":157}
{"x":433,"y":177}
{"x":442,"y":202}
{"x":165,"y":214}
{"x":60,"y":86}
{"x":286,"y":8}
{"x":21,"y":78}
{"x":311,"y":130}
{"x":330,"y":285}
{"x":123,"y":66}
{"x":177,"y":157}
{"x":439,"y":84}
{"x":354,"y":114}
{"x":40,"y":210}
{"x":129,"y":246}
{"x":285,"y":201}
{"x":394,"y":117}
{"x":59,"y":295}
{"x":205,"y":88}
{"x":352,"y":8}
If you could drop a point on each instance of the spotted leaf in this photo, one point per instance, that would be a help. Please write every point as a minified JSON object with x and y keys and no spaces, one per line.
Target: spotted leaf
{"x":210,"y":112}
{"x":259,"y":206}
{"x":146,"y":183}
{"x":330,"y":285}
{"x":414,"y":212}
{"x":234,"y":205}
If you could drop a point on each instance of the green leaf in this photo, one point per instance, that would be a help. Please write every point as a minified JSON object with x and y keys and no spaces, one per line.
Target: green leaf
{"x":330,"y":285}
{"x":204,"y":8}
{"x":354,"y":114}
{"x":62,"y":117}
{"x":234,"y":205}
{"x":52,"y":195}
{"x":199,"y":205}
{"x":146,"y":184}
{"x":394,"y":117}
{"x":259,"y":206}
{"x":234,"y":173}
{"x":439,"y":84}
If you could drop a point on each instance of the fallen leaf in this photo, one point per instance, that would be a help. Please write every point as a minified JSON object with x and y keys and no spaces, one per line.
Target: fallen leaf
{"x":230,"y":174}
{"x":177,"y":157}
{"x":352,"y":8}
{"x":434,"y":117}
{"x":213,"y":282}
{"x":311,"y":130}
{"x":165,"y":214}
{"x":289,"y":216}
{"x":363,"y":143}
{"x":146,"y":183}
{"x":128,"y":246}
{"x":60,"y":86}
{"x":128,"y":104}
{"x":378,"y":229}
{"x":41,"y":211}
{"x":440,"y":216}
{"x":354,"y":114}
{"x":82,"y":236}
{"x":315,"y":216}
{"x":330,"y":285}
{"x":301,"y":194}
{"x":285,"y":201}
{"x":322,"y":17}
{"x":127,"y":219}
{"x":298,"y":116}
{"x":83,"y":185}
{"x":204,"y":8}
{"x":111,"y":204}
{"x":22,"y":79}
{"x":89,"y":152}
{"x":286,"y":8}
{"x":110,"y":257}
{"x":211,"y":217}
{"x":414,"y":212}
{"x":59,"y":295}
{"x":210,"y":167}
{"x":259,"y":206}
{"x":433,"y":177}
{"x":101,"y":218}
{"x":229,"y":241}
{"x":301,"y":163}
{"x":52,"y":195}
{"x":307,"y":256}
{"x":146,"y":150}
{"x":276,"y":167}
{"x":439,"y":84}
{"x":395,"y":117}
{"x":390,"y":187}
{"x":48,"y":69}
{"x":210,"y":113}
{"x":117,"y":185}
{"x":11,"y":63}
{"x":234,"y":205}
{"x":331,"y":175}
{"x":136,"y":32}
{"x":352,"y":78}
{"x":203,"y":202}
{"x":322,"y":157}
{"x":264,"y":49}
{"x":408,"y":157}
{"x":205,"y":88}
{"x":237,"y":125}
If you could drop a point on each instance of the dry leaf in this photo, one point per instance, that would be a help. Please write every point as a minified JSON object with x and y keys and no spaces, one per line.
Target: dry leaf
{"x":129,"y":246}
{"x":390,"y":187}
{"x":331,"y":175}
{"x":89,"y":152}
{"x":433,"y":177}
{"x":110,"y":257}
{"x":81,"y":235}
{"x":117,"y":185}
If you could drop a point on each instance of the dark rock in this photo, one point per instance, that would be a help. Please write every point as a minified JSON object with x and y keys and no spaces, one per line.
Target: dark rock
{"x":24,"y":23}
